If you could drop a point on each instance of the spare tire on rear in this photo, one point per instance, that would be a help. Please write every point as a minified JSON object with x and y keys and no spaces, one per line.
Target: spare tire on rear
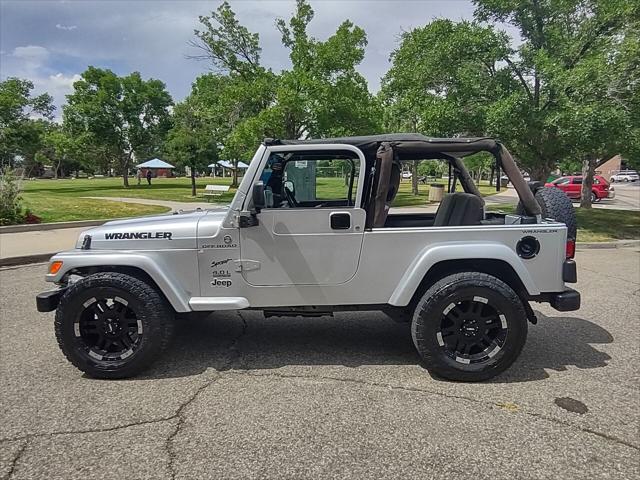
{"x":555,"y":204}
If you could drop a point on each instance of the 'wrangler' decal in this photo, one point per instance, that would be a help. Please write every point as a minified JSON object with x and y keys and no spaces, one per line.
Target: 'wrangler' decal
{"x":137,"y":235}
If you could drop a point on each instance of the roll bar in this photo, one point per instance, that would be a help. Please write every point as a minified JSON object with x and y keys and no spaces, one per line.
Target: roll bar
{"x":529,"y":202}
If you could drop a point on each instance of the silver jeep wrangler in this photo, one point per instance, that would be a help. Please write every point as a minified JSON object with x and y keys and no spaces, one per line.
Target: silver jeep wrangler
{"x":292,"y":243}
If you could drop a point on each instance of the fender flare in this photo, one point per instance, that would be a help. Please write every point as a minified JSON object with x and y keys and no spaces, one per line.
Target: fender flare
{"x":436,"y":253}
{"x":177,"y":297}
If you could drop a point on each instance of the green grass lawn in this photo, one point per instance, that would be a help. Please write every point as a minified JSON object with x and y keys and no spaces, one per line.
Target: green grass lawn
{"x":60,"y":200}
{"x":599,"y":224}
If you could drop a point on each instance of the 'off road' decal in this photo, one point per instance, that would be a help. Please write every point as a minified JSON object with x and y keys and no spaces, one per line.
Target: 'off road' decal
{"x":228,"y":243}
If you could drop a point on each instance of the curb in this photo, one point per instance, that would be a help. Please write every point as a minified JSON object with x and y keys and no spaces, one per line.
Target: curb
{"x":609,"y":245}
{"x":51,"y":226}
{"x":25,"y":260}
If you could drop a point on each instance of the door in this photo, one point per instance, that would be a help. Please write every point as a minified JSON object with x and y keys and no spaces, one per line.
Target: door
{"x":575,"y":188}
{"x":311,"y":229}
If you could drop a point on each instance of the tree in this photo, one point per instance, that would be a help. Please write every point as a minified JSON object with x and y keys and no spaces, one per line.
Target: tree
{"x":559,"y":40}
{"x":126,"y":117}
{"x":190,"y":142}
{"x":465,"y":79}
{"x":20,"y":130}
{"x":322,"y":94}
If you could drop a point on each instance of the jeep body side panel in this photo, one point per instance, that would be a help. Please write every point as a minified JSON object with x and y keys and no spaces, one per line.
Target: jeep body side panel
{"x":393,"y":262}
{"x":172,"y":270}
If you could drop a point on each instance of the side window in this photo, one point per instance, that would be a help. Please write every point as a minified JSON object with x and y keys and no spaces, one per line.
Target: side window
{"x":311,"y":179}
{"x":561,"y":181}
{"x":577,"y":181}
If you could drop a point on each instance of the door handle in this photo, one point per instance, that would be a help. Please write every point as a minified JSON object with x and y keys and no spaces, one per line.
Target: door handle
{"x":340,"y":220}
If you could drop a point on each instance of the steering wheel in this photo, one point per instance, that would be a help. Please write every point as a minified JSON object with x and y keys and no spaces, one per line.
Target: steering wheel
{"x":291,"y":200}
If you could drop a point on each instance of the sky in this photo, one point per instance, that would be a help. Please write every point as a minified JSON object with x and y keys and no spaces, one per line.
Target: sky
{"x":51,"y":42}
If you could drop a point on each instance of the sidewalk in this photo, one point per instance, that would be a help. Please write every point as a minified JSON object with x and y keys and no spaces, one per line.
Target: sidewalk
{"x":174,"y":206}
{"x":28,"y":247}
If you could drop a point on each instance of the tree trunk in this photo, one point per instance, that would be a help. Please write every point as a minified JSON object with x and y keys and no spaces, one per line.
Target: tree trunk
{"x":234,"y":182}
{"x":193,"y":181}
{"x":540,"y":173}
{"x":56,"y":169}
{"x":493,"y":172}
{"x":414,"y":178}
{"x":588,"y":170}
{"x":125,"y":170}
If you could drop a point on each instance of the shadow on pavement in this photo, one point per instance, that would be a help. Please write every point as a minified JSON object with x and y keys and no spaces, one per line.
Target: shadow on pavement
{"x":222,"y":342}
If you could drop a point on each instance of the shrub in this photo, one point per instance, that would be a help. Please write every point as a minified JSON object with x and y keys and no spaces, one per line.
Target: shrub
{"x":10,"y":200}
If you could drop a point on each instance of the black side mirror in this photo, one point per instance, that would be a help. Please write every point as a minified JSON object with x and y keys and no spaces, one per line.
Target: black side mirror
{"x":258,"y":196}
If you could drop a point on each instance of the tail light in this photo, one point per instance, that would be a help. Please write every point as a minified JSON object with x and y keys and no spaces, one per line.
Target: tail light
{"x":571,"y":248}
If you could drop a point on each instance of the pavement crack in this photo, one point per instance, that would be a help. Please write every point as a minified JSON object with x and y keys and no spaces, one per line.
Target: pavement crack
{"x":180,"y":414}
{"x":485,"y":403}
{"x":88,"y":430}
{"x":16,"y":459}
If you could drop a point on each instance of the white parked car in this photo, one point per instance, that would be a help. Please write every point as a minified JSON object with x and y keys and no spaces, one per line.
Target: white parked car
{"x":406,"y":174}
{"x":625,"y":176}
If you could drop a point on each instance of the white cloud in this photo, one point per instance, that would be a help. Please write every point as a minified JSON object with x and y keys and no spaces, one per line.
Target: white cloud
{"x":67,"y":28}
{"x":36,"y":63}
{"x":58,"y":86}
{"x":31,"y":53}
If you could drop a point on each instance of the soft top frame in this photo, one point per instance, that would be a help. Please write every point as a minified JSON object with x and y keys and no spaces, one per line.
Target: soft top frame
{"x":406,"y":146}
{"x":415,"y":146}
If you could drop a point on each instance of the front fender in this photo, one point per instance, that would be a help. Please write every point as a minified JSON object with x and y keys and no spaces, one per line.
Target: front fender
{"x":436,"y":253}
{"x":154,"y":267}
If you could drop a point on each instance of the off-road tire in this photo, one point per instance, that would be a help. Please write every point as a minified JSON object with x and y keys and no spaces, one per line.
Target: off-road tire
{"x":431,"y":313}
{"x":555,"y":204}
{"x":153,"y":315}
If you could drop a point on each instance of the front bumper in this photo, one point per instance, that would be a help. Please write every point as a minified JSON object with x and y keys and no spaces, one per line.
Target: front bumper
{"x":566,"y":301}
{"x":48,"y":301}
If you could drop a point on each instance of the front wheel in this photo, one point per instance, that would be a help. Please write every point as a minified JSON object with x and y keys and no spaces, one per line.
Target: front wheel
{"x":469,"y":327}
{"x":112,"y":325}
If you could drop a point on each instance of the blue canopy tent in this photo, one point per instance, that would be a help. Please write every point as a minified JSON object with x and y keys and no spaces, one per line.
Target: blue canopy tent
{"x":226,"y":164}
{"x":158,"y":168}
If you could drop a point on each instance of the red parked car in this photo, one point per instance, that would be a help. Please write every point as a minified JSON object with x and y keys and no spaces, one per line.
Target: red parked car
{"x":572,"y":186}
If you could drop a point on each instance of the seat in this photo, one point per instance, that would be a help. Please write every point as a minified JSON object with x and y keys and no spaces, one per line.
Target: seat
{"x":458,"y":209}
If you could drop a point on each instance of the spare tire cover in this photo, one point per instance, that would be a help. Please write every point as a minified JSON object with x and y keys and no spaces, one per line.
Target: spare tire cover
{"x":555,"y":204}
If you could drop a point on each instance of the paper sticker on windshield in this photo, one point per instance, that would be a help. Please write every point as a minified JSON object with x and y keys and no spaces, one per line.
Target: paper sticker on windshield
{"x":301,"y":164}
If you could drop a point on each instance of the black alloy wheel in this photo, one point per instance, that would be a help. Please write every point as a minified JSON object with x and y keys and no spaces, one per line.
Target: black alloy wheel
{"x":108,"y":329}
{"x":472,"y":331}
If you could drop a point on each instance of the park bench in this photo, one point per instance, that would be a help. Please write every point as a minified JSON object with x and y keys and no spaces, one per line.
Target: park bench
{"x":211,"y":191}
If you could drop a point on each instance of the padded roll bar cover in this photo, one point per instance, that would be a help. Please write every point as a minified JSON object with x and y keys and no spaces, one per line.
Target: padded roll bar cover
{"x":465,"y":179}
{"x":385,"y":155}
{"x":529,"y":202}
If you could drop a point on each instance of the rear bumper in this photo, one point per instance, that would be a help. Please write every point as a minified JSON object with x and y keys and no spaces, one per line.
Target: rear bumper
{"x":566,"y":301}
{"x":48,"y":301}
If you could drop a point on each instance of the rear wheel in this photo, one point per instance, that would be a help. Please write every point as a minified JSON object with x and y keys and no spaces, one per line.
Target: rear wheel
{"x":112,"y":325}
{"x":469,"y":326}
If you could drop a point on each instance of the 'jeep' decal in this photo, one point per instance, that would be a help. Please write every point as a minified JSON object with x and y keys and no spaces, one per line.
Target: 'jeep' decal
{"x":137,"y":235}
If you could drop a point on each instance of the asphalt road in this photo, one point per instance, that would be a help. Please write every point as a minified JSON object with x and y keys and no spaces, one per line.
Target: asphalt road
{"x":627,"y":196}
{"x":239,"y":396}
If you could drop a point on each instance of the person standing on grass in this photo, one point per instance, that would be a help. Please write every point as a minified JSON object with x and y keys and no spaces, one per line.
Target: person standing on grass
{"x":138,"y":175}
{"x":149,"y":177}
